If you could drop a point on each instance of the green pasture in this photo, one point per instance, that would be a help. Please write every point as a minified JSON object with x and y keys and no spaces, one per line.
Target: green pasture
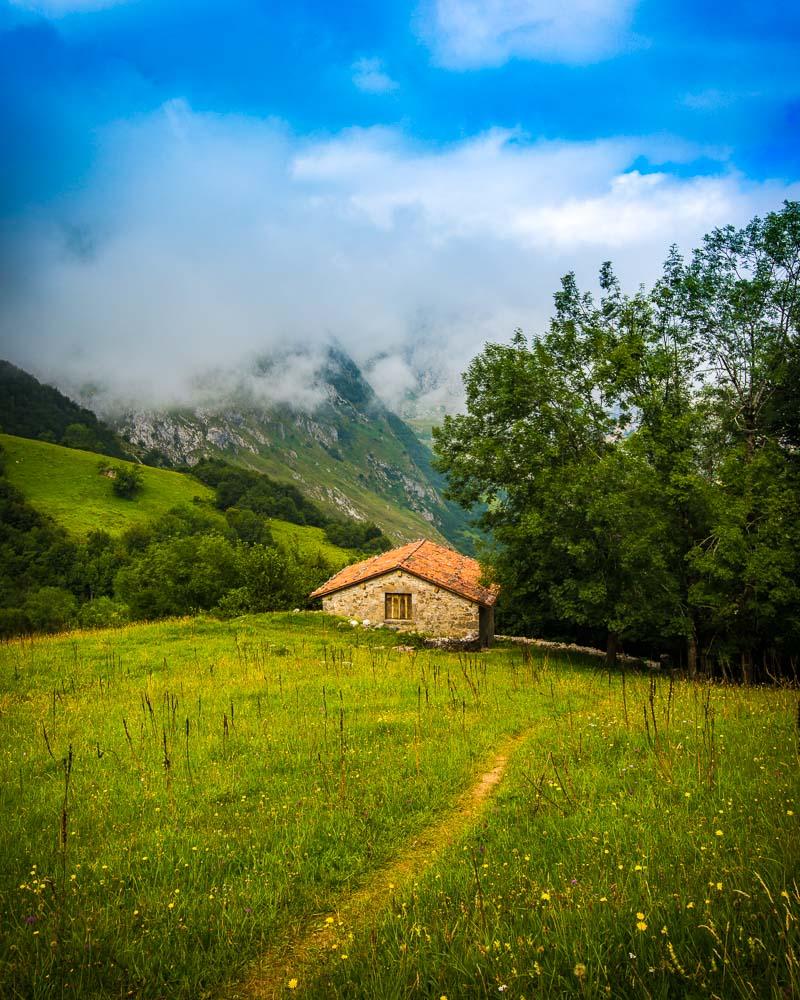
{"x":177,"y":797}
{"x":66,"y":484}
{"x":309,"y":542}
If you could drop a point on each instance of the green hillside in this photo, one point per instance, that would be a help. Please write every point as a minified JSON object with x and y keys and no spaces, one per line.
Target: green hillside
{"x":309,"y":542}
{"x":30,"y":409}
{"x":66,"y":484}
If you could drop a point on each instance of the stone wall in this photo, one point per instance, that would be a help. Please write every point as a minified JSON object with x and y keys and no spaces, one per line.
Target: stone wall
{"x":434,"y":611}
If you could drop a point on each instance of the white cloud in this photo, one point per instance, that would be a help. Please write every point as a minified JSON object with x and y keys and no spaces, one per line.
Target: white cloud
{"x":468,"y":34}
{"x":370,"y":76}
{"x":204,"y":242}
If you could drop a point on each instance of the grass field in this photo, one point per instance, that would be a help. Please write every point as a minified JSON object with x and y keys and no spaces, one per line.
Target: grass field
{"x":310,"y":542}
{"x":179,"y":798}
{"x":66,"y":484}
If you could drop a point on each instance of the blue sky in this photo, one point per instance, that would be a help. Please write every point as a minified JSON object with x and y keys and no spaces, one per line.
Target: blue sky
{"x":408,"y":179}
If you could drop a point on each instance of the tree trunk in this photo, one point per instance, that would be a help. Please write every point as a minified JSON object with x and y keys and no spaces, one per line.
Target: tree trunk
{"x":691,"y":653}
{"x":612,"y":645}
{"x":747,"y":666}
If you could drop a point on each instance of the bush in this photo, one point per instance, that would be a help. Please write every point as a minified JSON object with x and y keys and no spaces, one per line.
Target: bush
{"x":13,"y":621}
{"x":103,"y":612}
{"x":51,"y":609}
{"x":127,"y":482}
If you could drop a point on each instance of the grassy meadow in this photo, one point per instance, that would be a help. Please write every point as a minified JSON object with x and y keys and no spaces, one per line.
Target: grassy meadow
{"x":66,"y":484}
{"x":178,"y":797}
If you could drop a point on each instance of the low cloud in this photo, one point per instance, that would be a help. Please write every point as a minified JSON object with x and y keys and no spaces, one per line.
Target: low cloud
{"x":370,"y":76}
{"x":470,"y":34}
{"x":205,"y":244}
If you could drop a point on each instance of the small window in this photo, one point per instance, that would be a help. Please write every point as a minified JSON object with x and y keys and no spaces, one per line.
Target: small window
{"x":398,"y":606}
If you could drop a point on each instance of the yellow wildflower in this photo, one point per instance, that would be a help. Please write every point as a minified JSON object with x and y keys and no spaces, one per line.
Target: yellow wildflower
{"x":292,"y":984}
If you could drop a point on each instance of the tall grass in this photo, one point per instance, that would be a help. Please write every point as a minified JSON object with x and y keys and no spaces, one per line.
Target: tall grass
{"x":225,"y":780}
{"x":653,"y":857}
{"x":177,"y":797}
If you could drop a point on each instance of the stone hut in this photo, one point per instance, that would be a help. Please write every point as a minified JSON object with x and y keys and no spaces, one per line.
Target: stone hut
{"x":419,"y":587}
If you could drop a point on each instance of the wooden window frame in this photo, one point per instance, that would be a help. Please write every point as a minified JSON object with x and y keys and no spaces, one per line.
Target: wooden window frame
{"x":400,"y":602}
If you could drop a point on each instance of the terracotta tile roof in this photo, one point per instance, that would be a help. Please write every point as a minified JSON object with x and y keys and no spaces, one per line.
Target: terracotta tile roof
{"x":427,"y":560}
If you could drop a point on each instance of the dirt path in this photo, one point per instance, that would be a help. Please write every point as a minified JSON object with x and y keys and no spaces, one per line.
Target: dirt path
{"x":305,"y":952}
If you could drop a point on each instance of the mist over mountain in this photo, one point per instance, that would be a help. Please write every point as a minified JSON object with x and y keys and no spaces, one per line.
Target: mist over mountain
{"x":331,"y":435}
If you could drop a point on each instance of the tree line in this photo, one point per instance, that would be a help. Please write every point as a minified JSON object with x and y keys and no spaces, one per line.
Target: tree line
{"x":640,"y":460}
{"x":219,"y":558}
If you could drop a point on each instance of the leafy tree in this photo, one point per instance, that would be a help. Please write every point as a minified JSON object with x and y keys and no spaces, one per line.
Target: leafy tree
{"x":179,"y":576}
{"x":248,"y":527}
{"x":361,"y":535}
{"x":79,"y":436}
{"x":51,"y":609}
{"x":127,"y":482}
{"x":642,"y":453}
{"x":567,"y":506}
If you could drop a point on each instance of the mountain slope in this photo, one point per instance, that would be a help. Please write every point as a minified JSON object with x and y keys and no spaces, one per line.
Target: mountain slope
{"x":349,"y":453}
{"x":67,"y":485}
{"x":31,"y":409}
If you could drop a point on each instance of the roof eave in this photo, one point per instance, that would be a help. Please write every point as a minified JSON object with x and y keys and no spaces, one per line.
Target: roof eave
{"x":326,"y":592}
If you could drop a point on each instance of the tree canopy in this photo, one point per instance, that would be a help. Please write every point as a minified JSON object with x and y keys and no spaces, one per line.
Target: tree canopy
{"x":639,"y":458}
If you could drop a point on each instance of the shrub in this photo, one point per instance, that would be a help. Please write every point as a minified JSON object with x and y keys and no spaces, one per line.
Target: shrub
{"x":127,"y":482}
{"x":103,"y":612}
{"x":51,"y":609}
{"x":13,"y":621}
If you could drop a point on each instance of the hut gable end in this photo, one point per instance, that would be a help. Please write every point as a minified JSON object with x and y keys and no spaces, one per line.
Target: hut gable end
{"x":421,"y":586}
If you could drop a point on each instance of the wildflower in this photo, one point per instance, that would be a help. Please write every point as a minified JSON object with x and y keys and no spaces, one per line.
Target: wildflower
{"x":790,"y":812}
{"x":690,"y":906}
{"x":328,"y":920}
{"x":719,"y":886}
{"x":718,"y":833}
{"x":640,"y":916}
{"x":641,"y":925}
{"x":545,"y":897}
{"x":292,"y":984}
{"x":579,"y":970}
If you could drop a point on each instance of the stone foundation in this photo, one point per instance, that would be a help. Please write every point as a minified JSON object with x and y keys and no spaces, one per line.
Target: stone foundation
{"x":434,"y":610}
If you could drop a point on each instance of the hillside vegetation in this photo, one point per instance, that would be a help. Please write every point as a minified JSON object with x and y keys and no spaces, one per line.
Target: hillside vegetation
{"x":66,"y":484}
{"x":179,"y":798}
{"x":72,"y":551}
{"x":30,"y":409}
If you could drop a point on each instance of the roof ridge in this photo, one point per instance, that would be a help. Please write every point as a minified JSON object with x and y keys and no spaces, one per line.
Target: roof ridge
{"x":416,"y":549}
